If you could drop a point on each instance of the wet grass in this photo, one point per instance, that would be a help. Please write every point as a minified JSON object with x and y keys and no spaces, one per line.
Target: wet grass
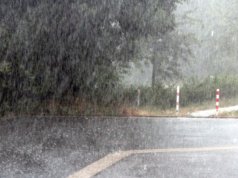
{"x":229,"y":114}
{"x":88,"y":109}
{"x":184,"y":110}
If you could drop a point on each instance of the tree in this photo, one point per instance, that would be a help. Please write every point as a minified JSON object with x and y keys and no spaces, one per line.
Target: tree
{"x":167,"y":51}
{"x":215,"y":27}
{"x":53,"y":49}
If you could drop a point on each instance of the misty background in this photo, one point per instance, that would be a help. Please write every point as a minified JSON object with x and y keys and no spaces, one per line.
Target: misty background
{"x":213,"y":27}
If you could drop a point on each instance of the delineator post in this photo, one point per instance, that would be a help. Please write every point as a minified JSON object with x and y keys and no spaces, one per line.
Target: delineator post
{"x":177,"y":99}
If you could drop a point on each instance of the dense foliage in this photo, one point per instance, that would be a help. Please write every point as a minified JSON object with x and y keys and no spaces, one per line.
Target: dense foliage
{"x":77,"y":48}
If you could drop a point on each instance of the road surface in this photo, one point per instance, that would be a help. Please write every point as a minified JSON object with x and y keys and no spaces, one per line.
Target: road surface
{"x":140,"y":147}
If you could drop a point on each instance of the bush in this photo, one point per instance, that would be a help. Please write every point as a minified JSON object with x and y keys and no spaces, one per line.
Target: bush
{"x":159,"y":96}
{"x":192,"y":91}
{"x":195,"y":91}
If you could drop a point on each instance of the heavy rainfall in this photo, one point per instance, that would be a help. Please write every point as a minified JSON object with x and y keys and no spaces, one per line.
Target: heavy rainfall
{"x":118,"y":88}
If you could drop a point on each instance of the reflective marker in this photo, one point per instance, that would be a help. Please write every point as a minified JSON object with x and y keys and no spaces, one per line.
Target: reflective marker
{"x":177,"y":99}
{"x":217,"y":100}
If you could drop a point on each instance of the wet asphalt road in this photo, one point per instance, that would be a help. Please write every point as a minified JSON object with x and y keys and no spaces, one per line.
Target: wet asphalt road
{"x":179,"y":165}
{"x":57,"y":147}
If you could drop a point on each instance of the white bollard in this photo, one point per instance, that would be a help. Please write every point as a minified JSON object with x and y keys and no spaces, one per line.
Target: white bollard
{"x":217,"y":100}
{"x":138,"y":97}
{"x":177,"y":99}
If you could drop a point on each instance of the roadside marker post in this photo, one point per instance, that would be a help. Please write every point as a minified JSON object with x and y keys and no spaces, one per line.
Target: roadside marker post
{"x":138,"y":97}
{"x":177,"y":99}
{"x":217,"y":100}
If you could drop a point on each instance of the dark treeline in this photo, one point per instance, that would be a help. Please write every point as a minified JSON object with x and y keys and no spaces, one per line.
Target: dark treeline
{"x":72,"y":48}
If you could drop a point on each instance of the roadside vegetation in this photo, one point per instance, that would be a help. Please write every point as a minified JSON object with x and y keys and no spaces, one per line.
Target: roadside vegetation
{"x":195,"y":95}
{"x":229,"y":114}
{"x":63,"y":53}
{"x":159,"y":100}
{"x":69,"y":58}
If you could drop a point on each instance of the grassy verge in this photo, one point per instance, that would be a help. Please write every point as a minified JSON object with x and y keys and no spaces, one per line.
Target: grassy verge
{"x":184,"y":111}
{"x":229,"y":114}
{"x":86,"y":109}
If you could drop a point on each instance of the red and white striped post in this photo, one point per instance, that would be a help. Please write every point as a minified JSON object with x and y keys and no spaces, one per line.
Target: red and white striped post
{"x":177,"y":99}
{"x":217,"y":100}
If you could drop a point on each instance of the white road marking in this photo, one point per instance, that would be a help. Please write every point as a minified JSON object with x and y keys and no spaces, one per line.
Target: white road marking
{"x":111,"y":159}
{"x":100,"y":165}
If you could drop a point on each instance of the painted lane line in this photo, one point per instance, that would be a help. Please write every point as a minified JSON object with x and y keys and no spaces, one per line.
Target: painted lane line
{"x":111,"y":159}
{"x":100,"y":165}
{"x":187,"y":150}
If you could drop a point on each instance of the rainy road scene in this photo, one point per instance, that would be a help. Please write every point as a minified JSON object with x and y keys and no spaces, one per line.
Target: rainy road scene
{"x":118,"y":147}
{"x":118,"y":88}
